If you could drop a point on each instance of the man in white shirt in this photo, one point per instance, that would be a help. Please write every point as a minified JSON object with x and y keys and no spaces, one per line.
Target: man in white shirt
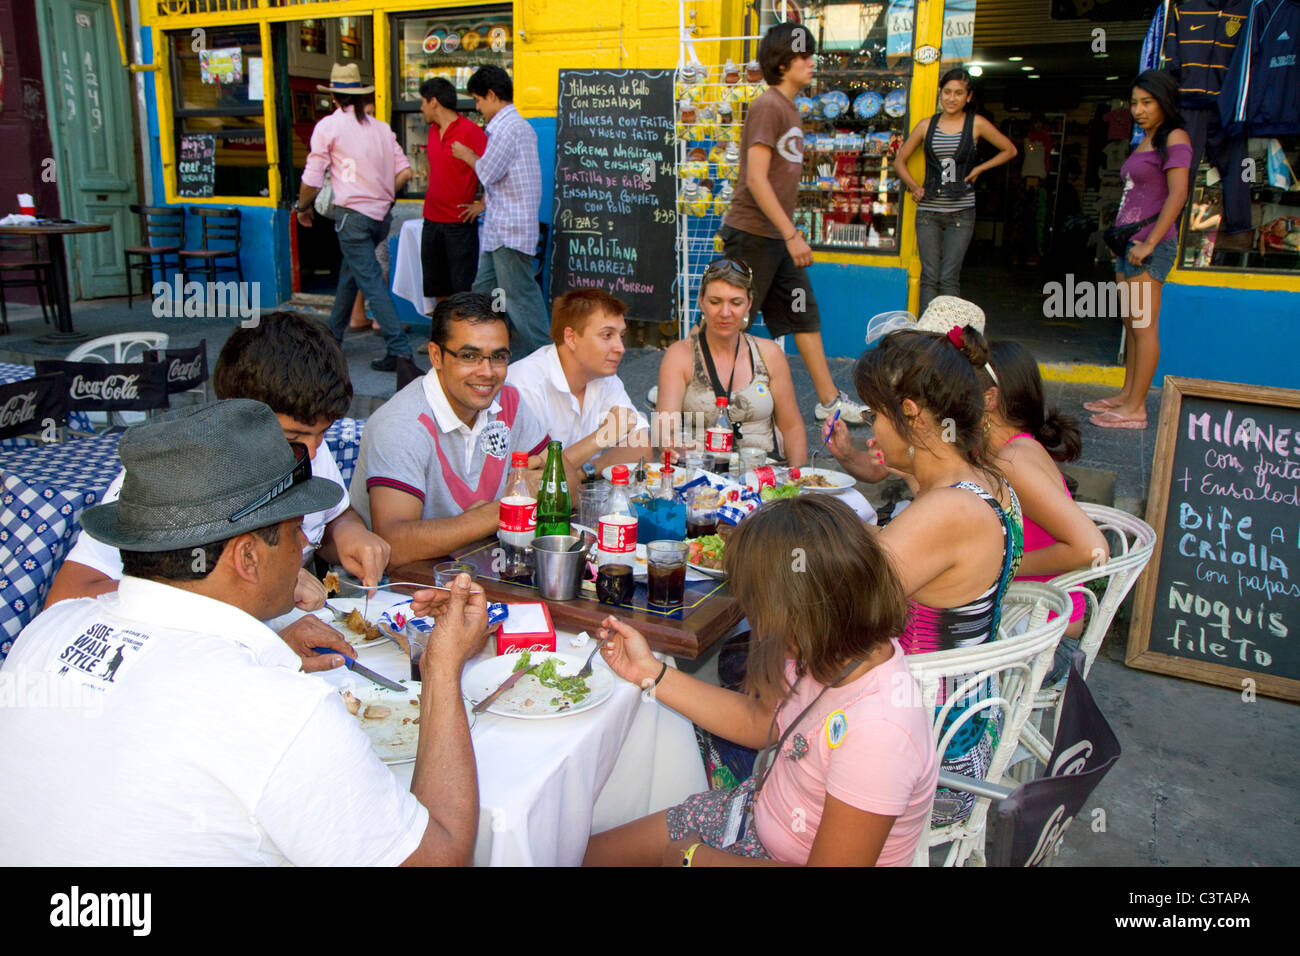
{"x":573,"y":385}
{"x":164,"y":724}
{"x":286,"y":361}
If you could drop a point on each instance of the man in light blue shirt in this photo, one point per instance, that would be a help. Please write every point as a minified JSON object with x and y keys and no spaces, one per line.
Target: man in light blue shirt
{"x":511,"y":175}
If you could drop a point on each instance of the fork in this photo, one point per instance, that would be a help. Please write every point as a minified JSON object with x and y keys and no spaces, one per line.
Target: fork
{"x":586,"y":668}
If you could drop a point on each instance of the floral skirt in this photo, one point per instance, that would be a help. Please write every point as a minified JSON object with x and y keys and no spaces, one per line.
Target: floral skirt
{"x":707,"y":814}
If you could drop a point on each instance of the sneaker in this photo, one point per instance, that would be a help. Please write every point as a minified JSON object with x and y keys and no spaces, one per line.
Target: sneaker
{"x":386,"y":364}
{"x":850,"y":411}
{"x":652,"y":396}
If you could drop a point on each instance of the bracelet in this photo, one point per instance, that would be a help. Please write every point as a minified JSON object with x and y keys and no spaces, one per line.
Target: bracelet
{"x":689,"y":853}
{"x":662,"y":672}
{"x":792,"y":235}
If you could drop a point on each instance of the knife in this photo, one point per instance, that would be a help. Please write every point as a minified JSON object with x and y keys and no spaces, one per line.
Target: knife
{"x":364,"y":671}
{"x":506,"y":684}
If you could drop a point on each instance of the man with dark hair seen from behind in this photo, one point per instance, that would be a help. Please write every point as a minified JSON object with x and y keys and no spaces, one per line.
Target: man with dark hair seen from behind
{"x":192,"y":738}
{"x":511,"y":174}
{"x":758,"y":229}
{"x":449,"y":242}
{"x":367,"y":169}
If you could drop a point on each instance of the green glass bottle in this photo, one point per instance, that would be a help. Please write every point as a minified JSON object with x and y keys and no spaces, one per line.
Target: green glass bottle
{"x":553,"y":508}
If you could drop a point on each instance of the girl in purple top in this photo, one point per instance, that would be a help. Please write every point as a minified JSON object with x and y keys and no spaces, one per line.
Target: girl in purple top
{"x":1155,"y":188}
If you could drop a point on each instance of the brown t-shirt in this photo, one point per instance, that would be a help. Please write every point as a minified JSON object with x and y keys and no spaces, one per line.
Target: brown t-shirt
{"x":774,"y":122}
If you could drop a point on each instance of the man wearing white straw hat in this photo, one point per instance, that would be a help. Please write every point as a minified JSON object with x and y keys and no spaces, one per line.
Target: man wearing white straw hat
{"x":366,"y":168}
{"x":164,"y":724}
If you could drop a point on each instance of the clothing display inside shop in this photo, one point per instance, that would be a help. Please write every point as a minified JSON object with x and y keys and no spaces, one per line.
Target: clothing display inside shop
{"x":1261,"y":90}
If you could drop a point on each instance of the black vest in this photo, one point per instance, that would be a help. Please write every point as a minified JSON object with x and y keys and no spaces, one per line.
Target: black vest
{"x":956,"y":187}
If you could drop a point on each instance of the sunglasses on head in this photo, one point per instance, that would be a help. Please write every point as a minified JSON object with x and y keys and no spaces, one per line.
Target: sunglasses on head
{"x":297,"y":475}
{"x":724,"y":265}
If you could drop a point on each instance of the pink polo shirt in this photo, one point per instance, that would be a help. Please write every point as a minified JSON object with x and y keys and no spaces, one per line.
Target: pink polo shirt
{"x":363,"y":159}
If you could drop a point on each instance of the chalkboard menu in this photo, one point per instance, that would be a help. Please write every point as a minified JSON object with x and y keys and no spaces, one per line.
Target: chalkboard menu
{"x":1220,"y":601}
{"x":615,"y":225}
{"x":196,"y":165}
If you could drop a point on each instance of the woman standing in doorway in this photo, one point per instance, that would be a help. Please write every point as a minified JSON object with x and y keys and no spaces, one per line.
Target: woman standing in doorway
{"x":1155,"y":189}
{"x":945,"y":211}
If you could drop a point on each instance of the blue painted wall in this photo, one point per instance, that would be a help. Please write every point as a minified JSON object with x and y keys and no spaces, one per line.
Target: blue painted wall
{"x":1232,"y":335}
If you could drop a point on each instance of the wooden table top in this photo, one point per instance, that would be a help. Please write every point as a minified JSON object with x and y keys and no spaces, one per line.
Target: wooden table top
{"x":708,"y":613}
{"x":49,"y":227}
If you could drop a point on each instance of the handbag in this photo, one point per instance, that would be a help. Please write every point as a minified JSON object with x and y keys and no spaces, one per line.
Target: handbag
{"x":324,"y":201}
{"x":1117,"y":237}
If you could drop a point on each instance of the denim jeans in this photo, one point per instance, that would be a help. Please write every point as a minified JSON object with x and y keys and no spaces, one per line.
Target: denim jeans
{"x":515,"y":274}
{"x":941,"y":240}
{"x":358,"y":236}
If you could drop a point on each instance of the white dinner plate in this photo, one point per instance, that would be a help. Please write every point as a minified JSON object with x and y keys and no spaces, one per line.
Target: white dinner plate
{"x":395,"y":735}
{"x":486,"y":676}
{"x":377,"y":606}
{"x":839,"y":481}
{"x":716,"y":574}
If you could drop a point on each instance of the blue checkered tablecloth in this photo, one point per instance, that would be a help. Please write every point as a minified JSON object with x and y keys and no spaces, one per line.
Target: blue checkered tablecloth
{"x":43,"y":491}
{"x":9,"y":372}
{"x":344,"y":439}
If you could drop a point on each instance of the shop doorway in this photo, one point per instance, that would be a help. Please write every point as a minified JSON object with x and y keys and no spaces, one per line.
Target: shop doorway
{"x":1058,"y":89}
{"x":306,"y":51}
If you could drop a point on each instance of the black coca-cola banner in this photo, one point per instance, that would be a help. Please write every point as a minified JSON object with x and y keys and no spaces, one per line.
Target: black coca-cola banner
{"x":112,"y":387}
{"x":32,"y":406}
{"x":186,"y":368}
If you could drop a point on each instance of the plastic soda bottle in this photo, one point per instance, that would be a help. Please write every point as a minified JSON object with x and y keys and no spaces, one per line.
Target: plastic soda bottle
{"x":518,"y":524}
{"x":616,"y":535}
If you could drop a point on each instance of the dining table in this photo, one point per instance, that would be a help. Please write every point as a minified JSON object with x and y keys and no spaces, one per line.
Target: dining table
{"x":54,"y":230}
{"x":546,"y":785}
{"x":408,"y":272}
{"x":707,"y":614}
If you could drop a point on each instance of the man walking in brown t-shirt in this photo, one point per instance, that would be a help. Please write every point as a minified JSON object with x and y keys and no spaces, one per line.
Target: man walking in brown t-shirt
{"x":758,"y":229}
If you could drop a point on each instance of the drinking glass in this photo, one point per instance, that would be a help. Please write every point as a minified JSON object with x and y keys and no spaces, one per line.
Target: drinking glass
{"x":666,"y":573}
{"x":447,"y":572}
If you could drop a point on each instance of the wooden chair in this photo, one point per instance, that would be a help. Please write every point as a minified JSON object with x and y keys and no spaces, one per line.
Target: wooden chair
{"x":19,"y":255}
{"x":218,"y":225}
{"x":163,"y":231}
{"x":995,"y":681}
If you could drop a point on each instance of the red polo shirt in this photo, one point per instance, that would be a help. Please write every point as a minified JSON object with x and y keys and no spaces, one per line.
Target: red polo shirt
{"x":452,"y":183}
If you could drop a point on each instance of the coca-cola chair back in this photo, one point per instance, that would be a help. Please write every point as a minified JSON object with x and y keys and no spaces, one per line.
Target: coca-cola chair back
{"x":33,"y":405}
{"x":112,"y":386}
{"x":186,"y":368}
{"x":1032,"y":819}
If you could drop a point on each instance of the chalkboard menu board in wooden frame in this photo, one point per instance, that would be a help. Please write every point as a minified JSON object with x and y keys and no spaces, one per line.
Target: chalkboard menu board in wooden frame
{"x":615,"y":225}
{"x":1220,"y":601}
{"x":196,"y":165}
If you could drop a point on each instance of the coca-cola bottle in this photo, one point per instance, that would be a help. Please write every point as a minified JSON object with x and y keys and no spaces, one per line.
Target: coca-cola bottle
{"x":616,"y":535}
{"x":773,"y":476}
{"x":717,"y":440}
{"x":518,"y":524}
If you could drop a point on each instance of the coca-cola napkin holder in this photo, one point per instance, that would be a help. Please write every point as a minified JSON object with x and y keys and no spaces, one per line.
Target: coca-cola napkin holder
{"x":528,"y":628}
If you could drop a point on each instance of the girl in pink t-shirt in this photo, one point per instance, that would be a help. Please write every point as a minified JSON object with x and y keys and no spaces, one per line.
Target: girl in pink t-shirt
{"x":854,"y":769}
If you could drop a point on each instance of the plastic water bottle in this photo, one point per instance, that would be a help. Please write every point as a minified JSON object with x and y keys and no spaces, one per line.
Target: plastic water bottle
{"x":518,"y":523}
{"x":616,"y":535}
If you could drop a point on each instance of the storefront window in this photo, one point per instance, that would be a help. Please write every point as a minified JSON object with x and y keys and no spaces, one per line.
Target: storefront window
{"x":217,"y":92}
{"x":1273,"y":241}
{"x":855,"y":119}
{"x":451,"y":44}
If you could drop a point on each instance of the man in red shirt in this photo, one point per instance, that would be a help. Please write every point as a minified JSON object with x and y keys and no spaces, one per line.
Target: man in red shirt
{"x":449,"y":243}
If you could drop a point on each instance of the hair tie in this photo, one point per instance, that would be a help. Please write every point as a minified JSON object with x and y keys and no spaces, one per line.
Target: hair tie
{"x":956,"y":338}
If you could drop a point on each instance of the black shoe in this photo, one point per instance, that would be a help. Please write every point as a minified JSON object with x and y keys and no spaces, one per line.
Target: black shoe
{"x":407,"y":372}
{"x":386,"y":364}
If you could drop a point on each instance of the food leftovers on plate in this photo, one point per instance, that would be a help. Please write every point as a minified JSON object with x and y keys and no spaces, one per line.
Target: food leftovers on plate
{"x":359,"y":625}
{"x":815,"y":481}
{"x":390,"y":719}
{"x":707,"y":551}
{"x":567,"y":690}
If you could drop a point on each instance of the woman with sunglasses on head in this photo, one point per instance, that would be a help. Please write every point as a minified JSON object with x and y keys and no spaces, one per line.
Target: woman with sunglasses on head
{"x":957,"y":546}
{"x":853,"y":768}
{"x":720,"y":360}
{"x":1155,"y":190}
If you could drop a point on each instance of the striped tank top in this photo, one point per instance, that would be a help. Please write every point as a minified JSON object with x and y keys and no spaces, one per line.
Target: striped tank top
{"x":945,"y":147}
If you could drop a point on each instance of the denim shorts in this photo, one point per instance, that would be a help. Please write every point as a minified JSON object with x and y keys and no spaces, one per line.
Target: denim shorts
{"x":1156,"y":265}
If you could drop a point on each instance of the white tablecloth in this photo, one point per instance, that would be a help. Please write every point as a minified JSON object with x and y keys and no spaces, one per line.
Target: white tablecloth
{"x":408,"y":274}
{"x":546,"y":785}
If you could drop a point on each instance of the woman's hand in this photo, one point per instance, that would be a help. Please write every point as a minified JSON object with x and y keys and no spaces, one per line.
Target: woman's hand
{"x":839,"y":442}
{"x":876,"y":469}
{"x":675,"y":851}
{"x":973,"y":175}
{"x":799,"y":250}
{"x":626,"y":652}
{"x":308,"y":594}
{"x":1138,"y":252}
{"x":918,"y":192}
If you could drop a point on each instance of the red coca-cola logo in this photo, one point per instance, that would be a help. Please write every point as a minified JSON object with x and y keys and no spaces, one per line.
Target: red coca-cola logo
{"x":617,"y":537}
{"x":718,"y":441}
{"x":19,"y":409}
{"x":114,"y":387}
{"x":180,"y":371}
{"x":518,"y":517}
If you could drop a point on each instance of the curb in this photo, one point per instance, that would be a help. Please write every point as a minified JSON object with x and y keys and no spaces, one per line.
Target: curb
{"x":1080,"y":374}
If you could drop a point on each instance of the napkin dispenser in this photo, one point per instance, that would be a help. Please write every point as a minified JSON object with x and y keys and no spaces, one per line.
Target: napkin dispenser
{"x":528,"y":628}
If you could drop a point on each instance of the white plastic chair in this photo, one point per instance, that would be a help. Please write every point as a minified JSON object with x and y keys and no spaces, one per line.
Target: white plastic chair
{"x":1132,"y":542}
{"x":115,"y":348}
{"x":1007,"y":674}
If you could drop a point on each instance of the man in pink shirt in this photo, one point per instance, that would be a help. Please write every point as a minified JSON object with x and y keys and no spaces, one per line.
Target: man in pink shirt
{"x":366,"y":168}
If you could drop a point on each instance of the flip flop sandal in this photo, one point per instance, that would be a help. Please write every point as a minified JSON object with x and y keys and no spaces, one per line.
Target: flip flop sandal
{"x":1111,"y":420}
{"x":1100,"y":405}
